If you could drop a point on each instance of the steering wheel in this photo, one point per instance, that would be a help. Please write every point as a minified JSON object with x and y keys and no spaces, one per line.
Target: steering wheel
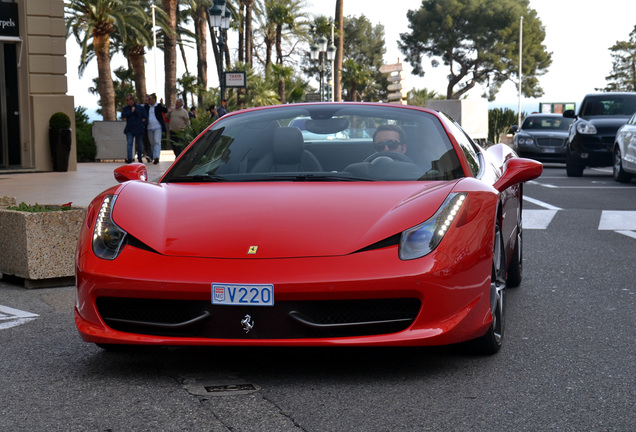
{"x":393,"y":155}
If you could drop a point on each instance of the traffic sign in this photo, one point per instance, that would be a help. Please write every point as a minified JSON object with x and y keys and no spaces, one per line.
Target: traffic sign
{"x":393,"y":87}
{"x":394,"y":78}
{"x":388,"y":68}
{"x":394,"y":96}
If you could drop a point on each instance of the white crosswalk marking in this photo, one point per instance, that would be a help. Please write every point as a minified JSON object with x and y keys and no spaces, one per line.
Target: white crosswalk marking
{"x":622,"y":222}
{"x":10,"y":317}
{"x":537,"y":219}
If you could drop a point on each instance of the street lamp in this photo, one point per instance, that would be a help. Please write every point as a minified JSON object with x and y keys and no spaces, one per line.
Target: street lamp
{"x":219,"y":18}
{"x":320,"y":51}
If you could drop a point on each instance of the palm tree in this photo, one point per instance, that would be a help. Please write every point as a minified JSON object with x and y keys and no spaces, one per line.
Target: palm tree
{"x":355,"y":77}
{"x":170,"y":51}
{"x":337,"y":73}
{"x":92,"y":22}
{"x":199,"y":13}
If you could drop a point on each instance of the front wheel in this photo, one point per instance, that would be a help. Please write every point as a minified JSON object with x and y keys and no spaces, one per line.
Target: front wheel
{"x":491,"y":342}
{"x":619,"y":174}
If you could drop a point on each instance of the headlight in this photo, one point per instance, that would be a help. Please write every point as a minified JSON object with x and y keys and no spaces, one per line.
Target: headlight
{"x":422,"y":239}
{"x":585,"y":128}
{"x":526,"y":141}
{"x":108,"y":238}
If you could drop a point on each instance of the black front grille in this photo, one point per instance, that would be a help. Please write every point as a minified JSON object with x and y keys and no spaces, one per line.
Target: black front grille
{"x":284,"y":320}
{"x":550,"y":142}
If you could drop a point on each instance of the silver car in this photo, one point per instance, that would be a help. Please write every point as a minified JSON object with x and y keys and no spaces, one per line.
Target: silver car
{"x":542,"y":137}
{"x":625,"y":152}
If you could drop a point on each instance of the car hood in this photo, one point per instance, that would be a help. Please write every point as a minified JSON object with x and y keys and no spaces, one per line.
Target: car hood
{"x":607,"y":122}
{"x":544,"y":133}
{"x":285,"y":219}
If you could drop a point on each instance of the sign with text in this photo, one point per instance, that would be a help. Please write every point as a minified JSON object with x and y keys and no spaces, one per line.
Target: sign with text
{"x":388,"y":68}
{"x":235,"y":79}
{"x":9,"y":19}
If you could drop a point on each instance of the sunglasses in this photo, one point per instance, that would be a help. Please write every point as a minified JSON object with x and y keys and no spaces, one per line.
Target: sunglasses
{"x":391,"y":145}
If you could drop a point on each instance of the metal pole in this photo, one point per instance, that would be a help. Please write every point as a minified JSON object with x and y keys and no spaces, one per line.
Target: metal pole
{"x":520,"y":62}
{"x":222,"y":84}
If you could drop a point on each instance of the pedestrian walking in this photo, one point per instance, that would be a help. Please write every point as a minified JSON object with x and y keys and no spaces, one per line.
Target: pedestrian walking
{"x":135,"y":116}
{"x":156,"y":125}
{"x":178,"y":120}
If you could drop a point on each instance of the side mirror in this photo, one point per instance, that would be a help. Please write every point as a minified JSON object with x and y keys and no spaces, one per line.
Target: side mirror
{"x":569,"y":114}
{"x":133,"y":171}
{"x":518,"y":170}
{"x":514,"y":129}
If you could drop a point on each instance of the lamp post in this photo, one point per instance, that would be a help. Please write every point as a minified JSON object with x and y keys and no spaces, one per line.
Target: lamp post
{"x":219,"y":18}
{"x":320,"y":51}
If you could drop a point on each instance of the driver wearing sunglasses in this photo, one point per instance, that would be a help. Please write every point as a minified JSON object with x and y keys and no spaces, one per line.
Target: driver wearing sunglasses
{"x":389,"y":137}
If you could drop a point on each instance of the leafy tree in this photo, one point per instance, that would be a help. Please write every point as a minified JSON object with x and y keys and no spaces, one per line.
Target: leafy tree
{"x":499,"y":122}
{"x":478,"y":40}
{"x":365,"y":45}
{"x":92,"y":22}
{"x":623,"y":75}
{"x":355,"y":78}
{"x":86,"y":148}
{"x":418,"y":97}
{"x":122,"y":86}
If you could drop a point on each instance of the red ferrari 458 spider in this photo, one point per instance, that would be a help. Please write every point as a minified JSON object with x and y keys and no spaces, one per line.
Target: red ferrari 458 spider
{"x":312,"y":224}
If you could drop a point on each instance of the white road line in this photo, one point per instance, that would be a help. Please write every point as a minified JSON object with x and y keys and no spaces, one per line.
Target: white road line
{"x":631,"y":234}
{"x":551,"y":186}
{"x":10,"y":317}
{"x":537,"y":219}
{"x":622,"y":222}
{"x":541,"y":203}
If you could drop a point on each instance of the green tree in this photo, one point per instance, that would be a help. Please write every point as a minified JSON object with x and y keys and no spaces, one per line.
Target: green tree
{"x":355,"y":78}
{"x":623,"y":75}
{"x":478,"y":40}
{"x":86,"y":148}
{"x":92,"y":22}
{"x":499,"y":122}
{"x":365,"y":46}
{"x":418,"y":97}
{"x":123,"y":84}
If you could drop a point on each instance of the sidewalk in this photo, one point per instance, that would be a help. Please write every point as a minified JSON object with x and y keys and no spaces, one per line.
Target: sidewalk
{"x":78,"y":187}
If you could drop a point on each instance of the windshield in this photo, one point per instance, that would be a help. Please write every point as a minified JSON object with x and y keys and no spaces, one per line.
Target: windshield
{"x":609,"y":105}
{"x":320,"y":142}
{"x":546,"y":123}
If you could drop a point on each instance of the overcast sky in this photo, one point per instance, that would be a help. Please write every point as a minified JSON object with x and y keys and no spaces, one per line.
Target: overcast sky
{"x":579,"y":34}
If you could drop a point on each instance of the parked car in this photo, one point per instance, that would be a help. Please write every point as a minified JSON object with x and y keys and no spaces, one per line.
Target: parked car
{"x":542,"y":137}
{"x":255,"y":237}
{"x":625,"y":152}
{"x":592,"y":134}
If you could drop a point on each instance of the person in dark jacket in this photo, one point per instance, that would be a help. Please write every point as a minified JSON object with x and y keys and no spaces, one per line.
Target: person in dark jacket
{"x":136,"y":117}
{"x":156,"y":125}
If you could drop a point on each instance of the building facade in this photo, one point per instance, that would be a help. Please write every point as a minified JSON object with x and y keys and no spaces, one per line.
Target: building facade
{"x":33,"y":82}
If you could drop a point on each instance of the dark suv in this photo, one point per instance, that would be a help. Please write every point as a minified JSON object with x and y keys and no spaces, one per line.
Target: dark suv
{"x":592,"y":134}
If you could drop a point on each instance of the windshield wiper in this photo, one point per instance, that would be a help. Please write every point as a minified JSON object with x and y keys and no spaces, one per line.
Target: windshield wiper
{"x":212,"y":178}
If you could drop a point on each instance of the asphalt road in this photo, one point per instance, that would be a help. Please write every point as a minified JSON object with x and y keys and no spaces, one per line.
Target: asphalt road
{"x":568,"y":361}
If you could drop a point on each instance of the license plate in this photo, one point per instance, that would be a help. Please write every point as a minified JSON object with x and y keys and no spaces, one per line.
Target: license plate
{"x":243,"y":294}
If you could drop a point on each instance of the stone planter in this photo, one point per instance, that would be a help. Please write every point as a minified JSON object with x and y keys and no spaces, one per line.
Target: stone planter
{"x":39,"y":247}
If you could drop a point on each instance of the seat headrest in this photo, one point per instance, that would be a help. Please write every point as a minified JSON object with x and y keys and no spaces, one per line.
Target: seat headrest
{"x":288,"y":145}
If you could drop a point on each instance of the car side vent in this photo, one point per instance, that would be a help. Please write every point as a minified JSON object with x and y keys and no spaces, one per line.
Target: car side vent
{"x":135,"y":242}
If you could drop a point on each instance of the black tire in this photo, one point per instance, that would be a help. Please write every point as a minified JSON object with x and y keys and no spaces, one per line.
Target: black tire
{"x":619,"y":174}
{"x":490,"y":343}
{"x":573,"y":169}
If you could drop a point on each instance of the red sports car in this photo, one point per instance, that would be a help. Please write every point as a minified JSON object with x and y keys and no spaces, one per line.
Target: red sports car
{"x":375,"y":225}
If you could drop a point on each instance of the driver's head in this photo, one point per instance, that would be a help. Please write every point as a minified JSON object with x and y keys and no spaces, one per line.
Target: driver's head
{"x":389,"y":137}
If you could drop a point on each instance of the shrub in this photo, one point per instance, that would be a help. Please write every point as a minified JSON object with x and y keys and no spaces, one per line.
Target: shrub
{"x":86,"y":148}
{"x":59,"y":120}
